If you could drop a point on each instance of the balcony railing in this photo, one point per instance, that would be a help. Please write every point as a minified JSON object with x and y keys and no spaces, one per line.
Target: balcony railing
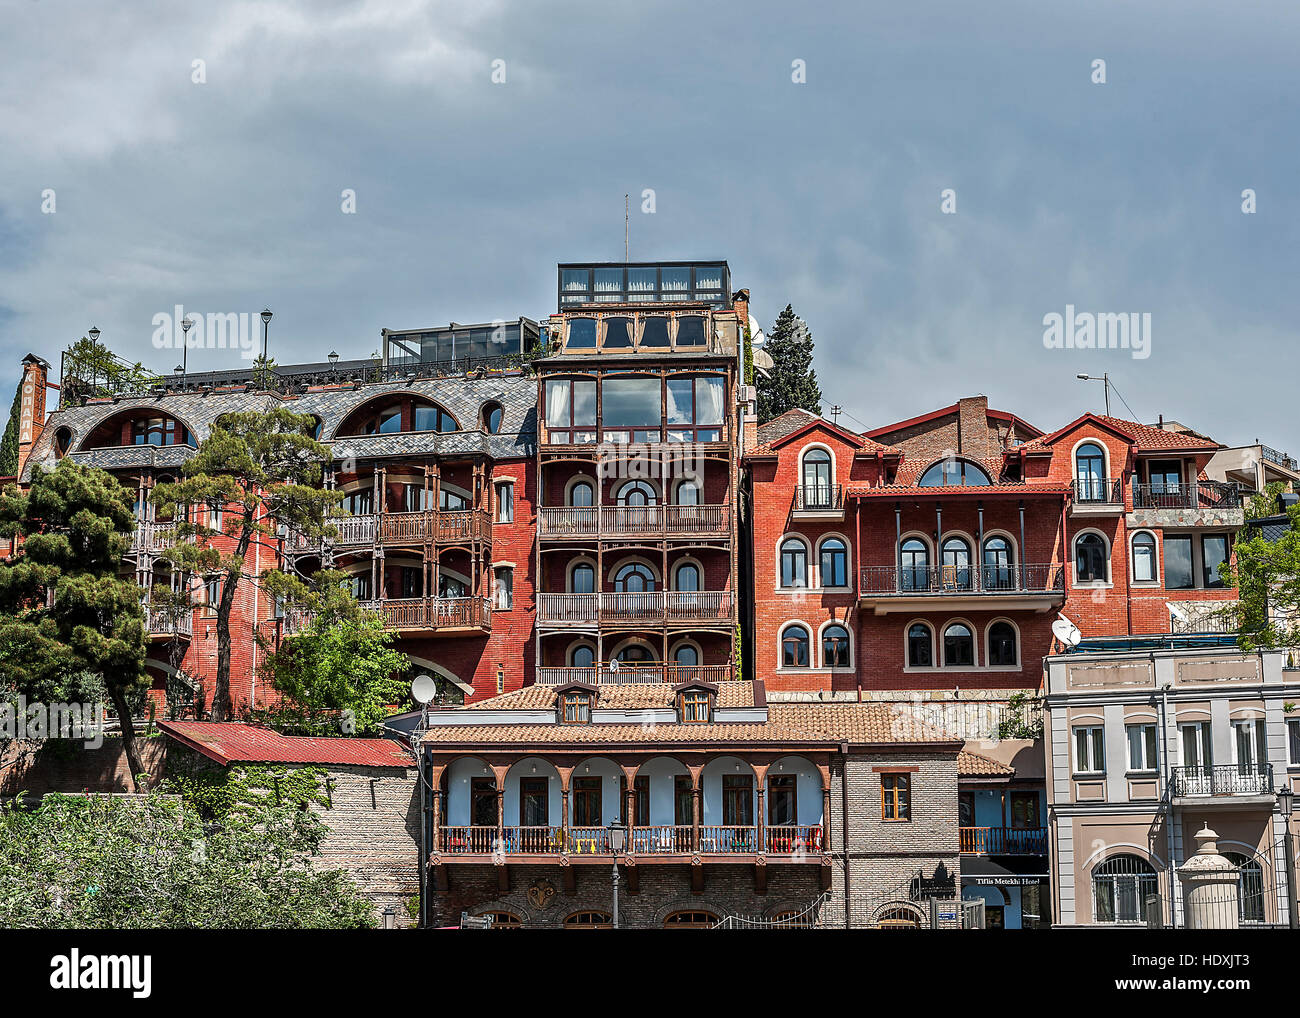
{"x":656,"y":839}
{"x":153,"y":536}
{"x":818,"y":498}
{"x":1223,"y":779}
{"x":1098,"y":491}
{"x":653,"y":673}
{"x":1003,"y":840}
{"x":442,"y":527}
{"x":621,"y":520}
{"x":652,"y":607}
{"x":417,"y":613}
{"x":164,"y":622}
{"x":1201,"y":495}
{"x":940,"y":581}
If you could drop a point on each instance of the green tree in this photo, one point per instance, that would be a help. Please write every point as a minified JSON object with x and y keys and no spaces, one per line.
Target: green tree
{"x":1267,"y":577}
{"x":9,"y":444}
{"x":342,"y":661}
{"x":65,"y":615}
{"x":112,"y":863}
{"x":90,"y":368}
{"x":792,"y":381}
{"x":259,"y":470}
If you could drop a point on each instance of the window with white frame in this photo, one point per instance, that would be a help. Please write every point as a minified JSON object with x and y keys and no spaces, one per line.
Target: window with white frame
{"x":1248,"y":746}
{"x":834,"y":563}
{"x":1293,"y":741}
{"x":835,"y":647}
{"x":1091,"y":559}
{"x":505,"y":588}
{"x":1142,"y":752}
{"x":794,"y":647}
{"x":1144,"y":557}
{"x":1089,"y":749}
{"x":505,"y":502}
{"x":794,"y":563}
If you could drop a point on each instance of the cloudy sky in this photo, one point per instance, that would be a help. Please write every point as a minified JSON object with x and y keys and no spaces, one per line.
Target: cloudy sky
{"x":225,"y":194}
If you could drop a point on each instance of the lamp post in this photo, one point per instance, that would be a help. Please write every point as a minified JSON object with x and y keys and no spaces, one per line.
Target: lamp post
{"x":617,"y":835}
{"x":266,"y":326}
{"x":334,"y":363}
{"x":1105,"y":380}
{"x":1285,"y":802}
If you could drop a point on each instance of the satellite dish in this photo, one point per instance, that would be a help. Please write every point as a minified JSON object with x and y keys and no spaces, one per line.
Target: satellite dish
{"x":424,"y":689}
{"x":1178,"y":613}
{"x":755,"y":333}
{"x":613,"y":665}
{"x":1066,"y":631}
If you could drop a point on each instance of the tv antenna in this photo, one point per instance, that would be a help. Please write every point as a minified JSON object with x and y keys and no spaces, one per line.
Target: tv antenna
{"x":627,"y":218}
{"x":836,"y":410}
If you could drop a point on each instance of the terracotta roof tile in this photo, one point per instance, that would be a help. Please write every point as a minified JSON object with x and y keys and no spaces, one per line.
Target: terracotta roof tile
{"x":231,"y":742}
{"x":972,"y":765}
{"x":621,"y":696}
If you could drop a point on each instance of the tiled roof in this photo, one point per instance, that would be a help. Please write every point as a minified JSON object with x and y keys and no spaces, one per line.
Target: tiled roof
{"x":775,"y":431}
{"x":857,"y":723}
{"x":232,"y":742}
{"x":972,"y":765}
{"x":1144,"y":437}
{"x":619,"y":696}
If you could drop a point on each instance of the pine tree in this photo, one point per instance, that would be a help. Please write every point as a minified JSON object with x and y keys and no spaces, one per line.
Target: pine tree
{"x":9,"y":444}
{"x":793,"y":381}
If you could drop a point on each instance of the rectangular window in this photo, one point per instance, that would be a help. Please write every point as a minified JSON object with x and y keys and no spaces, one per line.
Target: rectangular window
{"x":1196,"y":744}
{"x":1089,"y":749}
{"x":482,"y":802}
{"x":534,"y":805}
{"x":505,"y":503}
{"x":1293,"y":740}
{"x":895,"y":797}
{"x":641,"y":801}
{"x":738,"y":800}
{"x":577,"y":708}
{"x":1214,"y":552}
{"x":633,"y":403}
{"x":1024,"y":810}
{"x":213,"y":594}
{"x":505,"y":589}
{"x":571,"y":410}
{"x":695,"y":706}
{"x":1178,"y":563}
{"x":695,"y":409}
{"x":586,"y":802}
{"x":683,"y":801}
{"x":782,"y":800}
{"x":1248,"y":741}
{"x":1141,"y":747}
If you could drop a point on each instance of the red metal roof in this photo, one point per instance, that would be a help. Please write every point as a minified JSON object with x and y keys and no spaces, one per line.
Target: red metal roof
{"x":233,"y":741}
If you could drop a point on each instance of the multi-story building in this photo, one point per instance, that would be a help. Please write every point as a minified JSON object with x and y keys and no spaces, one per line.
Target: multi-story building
{"x":436,"y":467}
{"x":637,"y":471}
{"x":731,"y":809}
{"x":1149,"y":741}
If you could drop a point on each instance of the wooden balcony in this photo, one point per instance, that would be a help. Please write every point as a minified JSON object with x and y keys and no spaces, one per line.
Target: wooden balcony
{"x":151,"y":536}
{"x":443,"y":616}
{"x":404,"y":529}
{"x":616,"y":673}
{"x":1003,"y":840}
{"x":165,"y":625}
{"x":593,"y":522}
{"x":655,"y":608}
{"x":652,"y":840}
{"x":1038,"y":587}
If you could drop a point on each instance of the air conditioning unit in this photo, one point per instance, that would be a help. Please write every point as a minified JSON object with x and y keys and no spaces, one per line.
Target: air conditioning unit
{"x":747,"y":394}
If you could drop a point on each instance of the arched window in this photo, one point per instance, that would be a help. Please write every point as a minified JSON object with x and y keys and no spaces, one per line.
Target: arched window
{"x":898,"y":919}
{"x":834,"y":563}
{"x":1090,"y":473}
{"x":920,"y":646}
{"x":138,"y":427}
{"x":690,"y":921}
{"x":503,"y":920}
{"x":1090,"y":559}
{"x":634,"y":578}
{"x":794,"y":563}
{"x":794,"y":647}
{"x":817,"y":479}
{"x":954,"y":473}
{"x":1144,"y":557}
{"x":582,"y":494}
{"x":835,"y":647}
{"x":637,"y":493}
{"x":582,"y":656}
{"x":688,"y":493}
{"x":958,"y":646}
{"x":1250,"y":887}
{"x":686,"y":654}
{"x":380,"y":418}
{"x":62,"y":441}
{"x":492,"y":414}
{"x":589,"y":920}
{"x":686,"y":577}
{"x":915,"y":560}
{"x":582,"y":578}
{"x":1002,"y":645}
{"x":956,"y":564}
{"x":634,"y":653}
{"x":1120,"y":888}
{"x":999,"y":571}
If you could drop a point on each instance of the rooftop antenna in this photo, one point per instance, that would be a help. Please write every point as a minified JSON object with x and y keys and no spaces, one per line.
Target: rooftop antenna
{"x":836,"y":410}
{"x":626,"y":221}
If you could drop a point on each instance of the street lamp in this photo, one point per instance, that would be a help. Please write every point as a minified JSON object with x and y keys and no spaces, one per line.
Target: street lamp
{"x":93,"y":334}
{"x":617,"y":836}
{"x":266,"y":325}
{"x":1285,"y":802}
{"x":334,"y":362}
{"x":1105,"y":380}
{"x":187,"y":323}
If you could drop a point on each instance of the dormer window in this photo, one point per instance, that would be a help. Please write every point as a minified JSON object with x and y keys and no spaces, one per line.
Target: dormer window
{"x":695,"y":706}
{"x":575,"y":707}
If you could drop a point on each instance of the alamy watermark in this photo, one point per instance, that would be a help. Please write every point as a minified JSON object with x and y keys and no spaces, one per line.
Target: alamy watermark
{"x":1083,"y":330}
{"x":216,"y":330}
{"x":36,"y":722}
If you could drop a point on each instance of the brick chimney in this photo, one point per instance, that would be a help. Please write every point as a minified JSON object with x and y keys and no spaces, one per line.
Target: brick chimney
{"x":31,"y":406}
{"x":973,"y":426}
{"x":740,"y":302}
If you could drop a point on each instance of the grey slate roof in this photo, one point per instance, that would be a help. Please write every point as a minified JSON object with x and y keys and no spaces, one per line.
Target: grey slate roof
{"x":463,"y":398}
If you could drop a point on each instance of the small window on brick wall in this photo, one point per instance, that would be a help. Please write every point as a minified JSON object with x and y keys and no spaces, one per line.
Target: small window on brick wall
{"x":896,"y":796}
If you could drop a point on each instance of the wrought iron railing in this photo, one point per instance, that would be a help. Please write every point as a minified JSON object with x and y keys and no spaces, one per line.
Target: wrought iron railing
{"x":948,"y":580}
{"x":1003,"y":840}
{"x":818,"y":498}
{"x":1200,"y":495}
{"x":1098,"y":491}
{"x":1223,"y":779}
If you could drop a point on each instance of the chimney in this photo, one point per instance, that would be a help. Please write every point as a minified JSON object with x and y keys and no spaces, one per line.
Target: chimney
{"x":740,"y":302}
{"x":31,"y":406}
{"x":973,"y":426}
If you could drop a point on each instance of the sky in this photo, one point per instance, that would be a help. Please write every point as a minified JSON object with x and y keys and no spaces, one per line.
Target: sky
{"x":156,"y":153}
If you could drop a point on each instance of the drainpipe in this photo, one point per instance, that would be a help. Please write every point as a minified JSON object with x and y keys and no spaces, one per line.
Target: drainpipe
{"x":1169,"y":792}
{"x":844,"y":830}
{"x":1024,"y":567}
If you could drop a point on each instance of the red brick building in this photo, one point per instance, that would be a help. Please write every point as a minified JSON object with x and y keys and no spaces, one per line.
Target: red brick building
{"x":932,"y":555}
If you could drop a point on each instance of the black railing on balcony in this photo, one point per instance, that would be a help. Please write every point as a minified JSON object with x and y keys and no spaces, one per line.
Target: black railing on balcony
{"x":818,"y":498}
{"x":1098,"y":491}
{"x":1003,"y":840}
{"x":962,"y":579}
{"x":1201,"y":495}
{"x":1223,"y":779}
